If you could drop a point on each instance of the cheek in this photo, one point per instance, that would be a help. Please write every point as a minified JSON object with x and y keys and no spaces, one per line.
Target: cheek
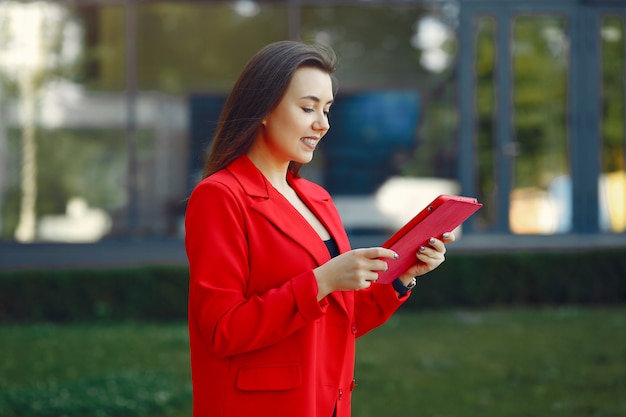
{"x":289,"y":124}
{"x":286,"y":123}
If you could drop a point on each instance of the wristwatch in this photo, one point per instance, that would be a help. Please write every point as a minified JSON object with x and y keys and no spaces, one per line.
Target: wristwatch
{"x":402,"y":289}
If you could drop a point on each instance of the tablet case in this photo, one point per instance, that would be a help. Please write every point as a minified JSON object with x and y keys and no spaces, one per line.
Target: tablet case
{"x":444,"y":214}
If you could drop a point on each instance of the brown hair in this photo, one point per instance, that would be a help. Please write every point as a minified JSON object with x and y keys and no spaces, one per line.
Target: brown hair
{"x":258,"y":90}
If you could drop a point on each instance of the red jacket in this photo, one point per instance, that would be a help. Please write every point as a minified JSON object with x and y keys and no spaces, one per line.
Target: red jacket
{"x":261,"y":344}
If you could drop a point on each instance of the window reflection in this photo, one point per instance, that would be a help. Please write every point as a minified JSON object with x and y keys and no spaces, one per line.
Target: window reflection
{"x":613,"y":179}
{"x":39,"y":49}
{"x":77,"y":176}
{"x":539,"y":203}
{"x":486,"y":116}
{"x":63,"y":134}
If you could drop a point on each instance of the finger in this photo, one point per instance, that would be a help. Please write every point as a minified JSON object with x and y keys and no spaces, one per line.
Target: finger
{"x":369,"y":276}
{"x":431,"y":261}
{"x":374,"y":253}
{"x":449,"y":237}
{"x":380,"y":265}
{"x":437,"y":245}
{"x":374,"y":265}
{"x":426,"y":253}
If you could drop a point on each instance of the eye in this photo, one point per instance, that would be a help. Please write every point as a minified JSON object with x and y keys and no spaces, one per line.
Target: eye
{"x":308,"y":109}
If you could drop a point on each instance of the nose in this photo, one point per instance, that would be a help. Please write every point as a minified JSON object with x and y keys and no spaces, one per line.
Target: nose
{"x":321,"y":123}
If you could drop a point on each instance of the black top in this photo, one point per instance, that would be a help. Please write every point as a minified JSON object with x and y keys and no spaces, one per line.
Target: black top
{"x":333,"y":249}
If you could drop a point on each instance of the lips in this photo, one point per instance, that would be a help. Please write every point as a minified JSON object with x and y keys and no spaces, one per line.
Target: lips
{"x":311,"y":142}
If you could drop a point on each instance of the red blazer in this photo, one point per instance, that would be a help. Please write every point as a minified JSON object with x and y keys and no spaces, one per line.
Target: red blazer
{"x":261,"y":344}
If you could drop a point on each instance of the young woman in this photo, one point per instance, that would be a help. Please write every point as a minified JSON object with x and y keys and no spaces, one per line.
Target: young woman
{"x":276,"y":295}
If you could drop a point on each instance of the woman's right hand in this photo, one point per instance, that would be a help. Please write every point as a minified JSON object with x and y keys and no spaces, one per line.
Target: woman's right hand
{"x":351,"y":270}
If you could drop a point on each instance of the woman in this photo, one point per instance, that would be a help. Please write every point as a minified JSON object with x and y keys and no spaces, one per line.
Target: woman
{"x":276,"y":296}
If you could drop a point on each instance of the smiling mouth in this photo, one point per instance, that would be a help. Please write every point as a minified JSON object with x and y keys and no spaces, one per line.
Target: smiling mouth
{"x":311,"y":142}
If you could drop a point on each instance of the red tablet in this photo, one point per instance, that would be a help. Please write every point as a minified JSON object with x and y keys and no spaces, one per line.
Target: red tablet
{"x":444,"y":214}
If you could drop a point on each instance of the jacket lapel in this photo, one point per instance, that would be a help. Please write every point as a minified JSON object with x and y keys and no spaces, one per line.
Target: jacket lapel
{"x":273,"y":206}
{"x":277,"y":210}
{"x":322,"y":206}
{"x":288,"y":220}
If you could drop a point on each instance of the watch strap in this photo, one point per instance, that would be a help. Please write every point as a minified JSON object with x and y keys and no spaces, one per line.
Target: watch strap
{"x":402,"y":289}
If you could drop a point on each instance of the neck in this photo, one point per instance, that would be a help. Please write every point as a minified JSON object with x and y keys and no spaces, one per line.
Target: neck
{"x":275,"y":173}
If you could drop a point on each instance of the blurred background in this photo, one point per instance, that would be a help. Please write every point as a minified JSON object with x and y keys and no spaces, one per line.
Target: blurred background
{"x":107,"y":108}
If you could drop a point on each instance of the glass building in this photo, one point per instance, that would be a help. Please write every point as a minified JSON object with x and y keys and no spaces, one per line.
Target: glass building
{"x":107,"y":108}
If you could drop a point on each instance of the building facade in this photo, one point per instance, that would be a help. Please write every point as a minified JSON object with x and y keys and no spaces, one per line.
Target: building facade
{"x":520,"y":104}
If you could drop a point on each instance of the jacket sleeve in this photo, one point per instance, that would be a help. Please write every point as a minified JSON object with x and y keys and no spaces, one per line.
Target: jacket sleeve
{"x":218,"y":252}
{"x":374,"y":306}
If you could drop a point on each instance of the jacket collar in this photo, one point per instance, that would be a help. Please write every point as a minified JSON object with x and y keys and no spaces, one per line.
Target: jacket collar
{"x":249,"y":177}
{"x":273,"y":205}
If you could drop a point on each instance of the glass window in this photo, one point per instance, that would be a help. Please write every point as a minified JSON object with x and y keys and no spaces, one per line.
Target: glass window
{"x":613,"y":166}
{"x":80,"y":158}
{"x":486,"y":116}
{"x":190,"y":55}
{"x":83,"y":146}
{"x":540,"y":200}
{"x":186,"y":47}
{"x":62,"y":148}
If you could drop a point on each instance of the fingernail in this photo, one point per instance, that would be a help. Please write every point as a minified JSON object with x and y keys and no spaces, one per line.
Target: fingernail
{"x":422,"y":249}
{"x":432,"y":240}
{"x":446,"y":235}
{"x":395,"y":255}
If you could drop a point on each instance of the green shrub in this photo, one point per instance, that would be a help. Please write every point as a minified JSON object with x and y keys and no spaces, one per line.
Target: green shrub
{"x":143,"y":293}
{"x":469,"y":280}
{"x":525,"y":279}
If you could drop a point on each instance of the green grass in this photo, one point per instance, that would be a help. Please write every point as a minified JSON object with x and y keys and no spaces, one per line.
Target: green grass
{"x":536,"y":363}
{"x":113,"y":370}
{"x":566,"y":362}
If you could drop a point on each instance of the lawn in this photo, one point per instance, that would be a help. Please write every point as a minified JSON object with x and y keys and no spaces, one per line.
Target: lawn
{"x":536,"y":363}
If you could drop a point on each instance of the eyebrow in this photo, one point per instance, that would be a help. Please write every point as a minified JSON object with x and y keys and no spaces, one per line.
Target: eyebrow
{"x":316,"y":99}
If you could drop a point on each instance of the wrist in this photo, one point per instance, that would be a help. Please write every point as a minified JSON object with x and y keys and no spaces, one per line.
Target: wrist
{"x":408,"y":281}
{"x":323,"y":288}
{"x":402,"y":287}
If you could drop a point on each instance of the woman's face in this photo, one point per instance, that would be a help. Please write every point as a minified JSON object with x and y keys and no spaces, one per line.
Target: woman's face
{"x":294,"y":128}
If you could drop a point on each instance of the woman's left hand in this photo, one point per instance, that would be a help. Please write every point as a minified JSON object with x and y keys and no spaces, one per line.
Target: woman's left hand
{"x":428,"y":257}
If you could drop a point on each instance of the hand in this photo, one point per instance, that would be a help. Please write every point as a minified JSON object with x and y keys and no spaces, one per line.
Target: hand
{"x":428,"y":257}
{"x":352,"y":270}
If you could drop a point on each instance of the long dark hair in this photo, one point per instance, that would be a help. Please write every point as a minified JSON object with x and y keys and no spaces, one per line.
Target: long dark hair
{"x":258,"y":90}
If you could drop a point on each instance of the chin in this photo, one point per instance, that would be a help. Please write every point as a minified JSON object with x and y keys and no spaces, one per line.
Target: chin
{"x":303,"y":159}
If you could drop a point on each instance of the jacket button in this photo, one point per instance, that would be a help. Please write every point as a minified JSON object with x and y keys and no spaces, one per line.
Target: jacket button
{"x":340,"y":393}
{"x":353,"y":328}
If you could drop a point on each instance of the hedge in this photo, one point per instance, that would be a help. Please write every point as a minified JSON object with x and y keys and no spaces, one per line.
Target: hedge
{"x":142,"y":293}
{"x":588,"y":277}
{"x":464,"y":280}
